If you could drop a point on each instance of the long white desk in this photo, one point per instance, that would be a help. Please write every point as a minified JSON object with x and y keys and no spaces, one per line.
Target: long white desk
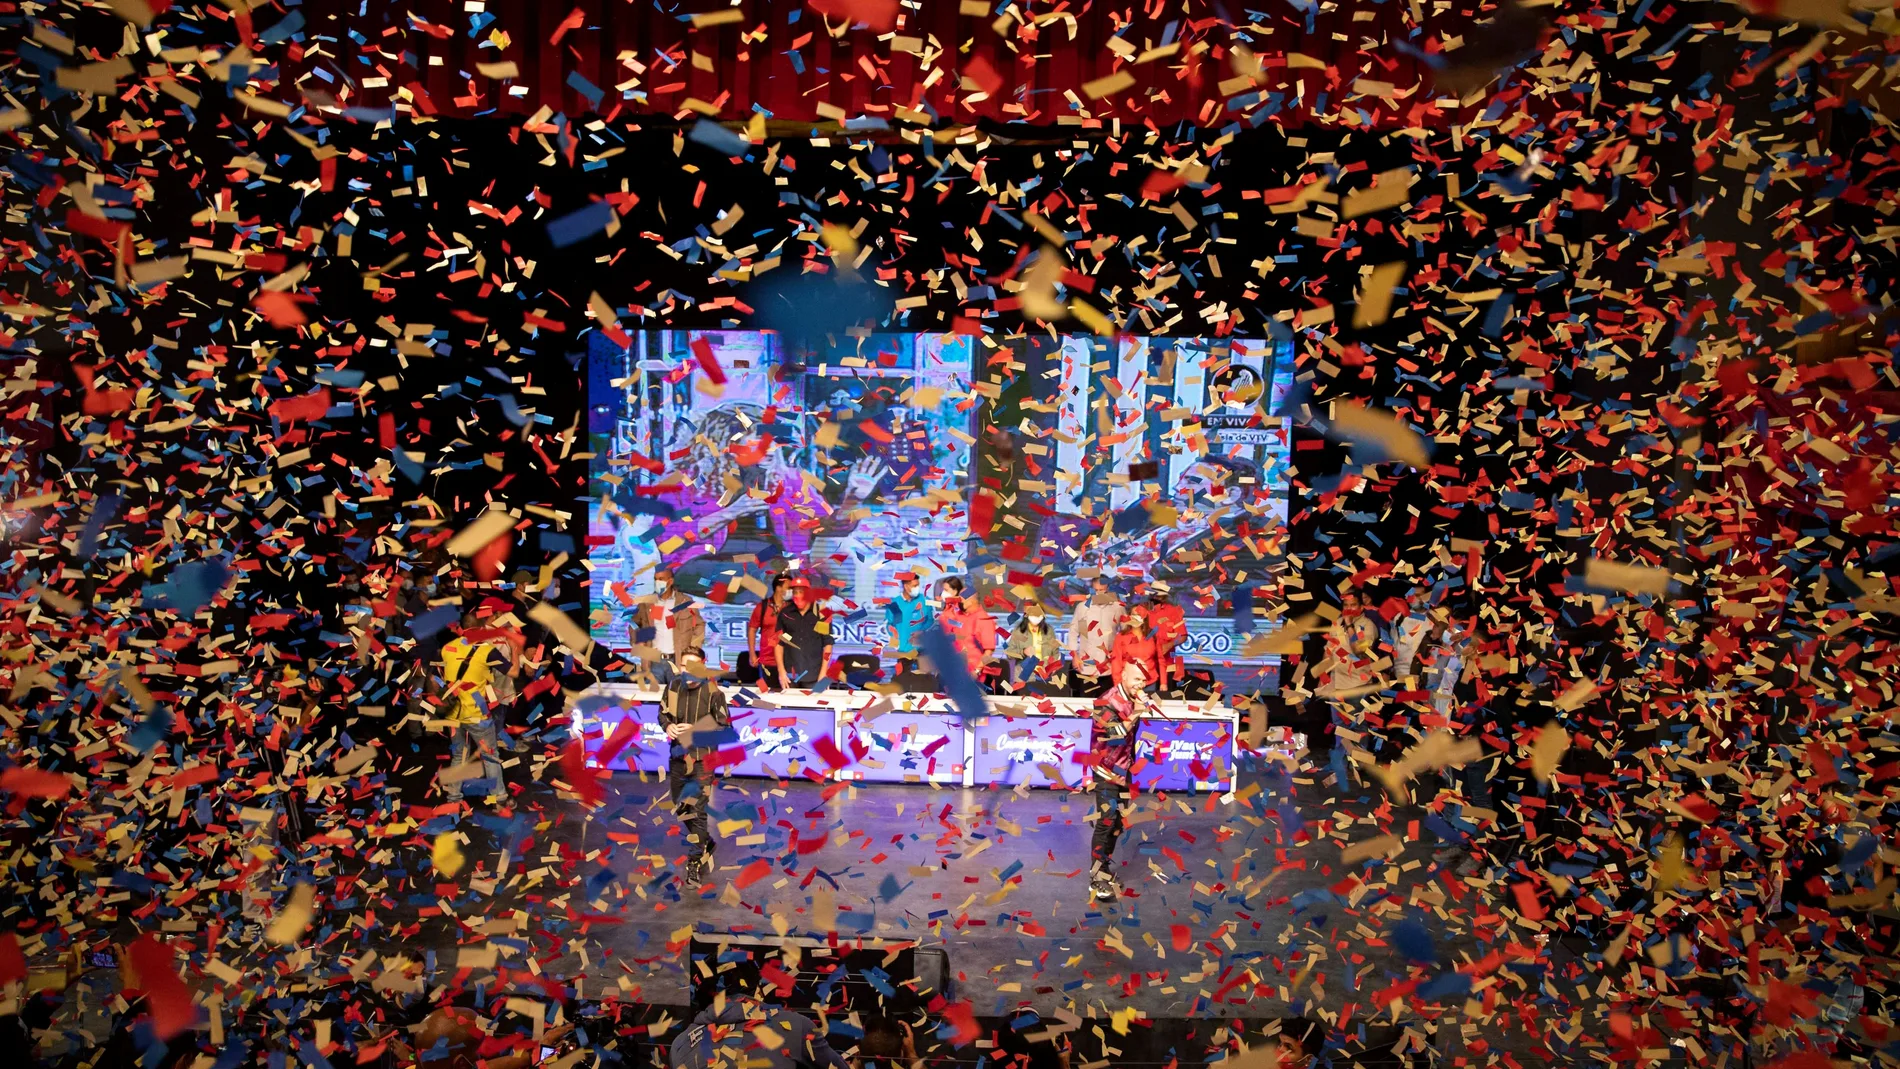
{"x":863,"y":736}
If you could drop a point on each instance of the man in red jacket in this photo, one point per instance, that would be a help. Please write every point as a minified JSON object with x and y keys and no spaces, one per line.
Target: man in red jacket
{"x":971,"y":630}
{"x":1169,"y":626}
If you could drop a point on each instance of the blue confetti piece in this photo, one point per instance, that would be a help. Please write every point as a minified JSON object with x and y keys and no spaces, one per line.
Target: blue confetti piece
{"x":190,"y":587}
{"x":1243,"y":610}
{"x":1414,"y":942}
{"x":150,"y":732}
{"x":889,"y":889}
{"x":953,"y":674}
{"x":102,"y":512}
{"x":282,"y":29}
{"x":410,"y":470}
{"x":577,"y":82}
{"x":1445,"y":986}
{"x":1498,"y":314}
{"x":428,"y":623}
{"x":718,"y":138}
{"x":578,"y":226}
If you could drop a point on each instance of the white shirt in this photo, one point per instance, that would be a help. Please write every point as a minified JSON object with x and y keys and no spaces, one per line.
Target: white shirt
{"x":1405,"y":642}
{"x":663,"y":624}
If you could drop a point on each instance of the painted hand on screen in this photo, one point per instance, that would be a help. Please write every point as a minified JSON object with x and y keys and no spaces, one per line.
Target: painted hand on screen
{"x":863,"y":478}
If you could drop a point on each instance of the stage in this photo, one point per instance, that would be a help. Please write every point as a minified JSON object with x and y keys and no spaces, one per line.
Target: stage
{"x":1227,"y":902}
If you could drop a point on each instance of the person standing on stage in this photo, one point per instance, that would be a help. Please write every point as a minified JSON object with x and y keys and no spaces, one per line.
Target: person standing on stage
{"x":691,"y":704}
{"x":804,"y":636}
{"x":1169,"y":626}
{"x":908,"y":615}
{"x":762,"y":633}
{"x":675,"y":622}
{"x":1135,"y":644}
{"x":1117,"y":717}
{"x":1408,"y":635}
{"x":466,"y":688}
{"x":1092,"y":633}
{"x":971,"y":630}
{"x":1032,"y":650}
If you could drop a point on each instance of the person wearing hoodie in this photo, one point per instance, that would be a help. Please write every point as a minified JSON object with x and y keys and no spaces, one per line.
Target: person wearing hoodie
{"x":971,"y":630}
{"x":1032,"y":652}
{"x":672,"y":619}
{"x":691,"y":706}
{"x":1117,"y":716}
{"x":1092,"y":639}
{"x":907,"y":616}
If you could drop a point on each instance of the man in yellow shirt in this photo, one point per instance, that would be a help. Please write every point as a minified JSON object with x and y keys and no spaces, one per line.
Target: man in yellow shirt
{"x":467,"y":687}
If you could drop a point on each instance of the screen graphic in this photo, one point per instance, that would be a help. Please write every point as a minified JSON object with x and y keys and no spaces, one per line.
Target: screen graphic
{"x":1026,"y":465}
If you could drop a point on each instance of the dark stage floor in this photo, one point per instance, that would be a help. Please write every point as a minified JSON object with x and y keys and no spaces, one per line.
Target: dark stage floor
{"x":1231,"y":911}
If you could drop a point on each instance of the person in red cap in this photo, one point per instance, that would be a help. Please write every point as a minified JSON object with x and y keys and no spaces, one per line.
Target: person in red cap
{"x":1169,"y":625}
{"x":804,"y":635}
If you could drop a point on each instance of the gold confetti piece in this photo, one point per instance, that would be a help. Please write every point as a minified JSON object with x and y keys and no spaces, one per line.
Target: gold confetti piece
{"x":98,"y":78}
{"x":1375,"y":297}
{"x":1579,"y":692}
{"x":571,"y":634}
{"x":292,"y":921}
{"x":446,"y":854}
{"x":1377,"y":846}
{"x":721,"y":17}
{"x":603,"y":312}
{"x":505,"y":69}
{"x":1629,"y":578}
{"x":1391,"y":189}
{"x":263,"y":105}
{"x":1113,"y":83}
{"x":14,"y":118}
{"x":1548,"y":751}
{"x":839,"y":241}
{"x":1399,"y":441}
{"x":1039,"y":286}
{"x":489,"y":526}
{"x":136,"y":11}
{"x":147,"y":272}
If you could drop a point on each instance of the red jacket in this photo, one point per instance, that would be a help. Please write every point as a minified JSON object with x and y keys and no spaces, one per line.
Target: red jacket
{"x":1135,"y":647}
{"x":765,"y":622}
{"x":1169,"y":624}
{"x":972,"y":631}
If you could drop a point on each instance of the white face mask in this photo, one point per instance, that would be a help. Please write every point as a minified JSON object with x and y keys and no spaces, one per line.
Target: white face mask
{"x":1035,"y":621}
{"x":662,"y":585}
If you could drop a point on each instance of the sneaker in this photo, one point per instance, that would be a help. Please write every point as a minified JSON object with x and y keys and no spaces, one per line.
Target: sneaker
{"x":1103,"y":886}
{"x":695,"y":872}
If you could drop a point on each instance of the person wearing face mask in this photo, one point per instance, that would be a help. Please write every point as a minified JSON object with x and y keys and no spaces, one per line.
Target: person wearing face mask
{"x":673,"y":623}
{"x":1135,"y":644}
{"x":804,"y":635}
{"x":762,"y":633}
{"x":1169,"y":626}
{"x":907,"y":616}
{"x":1092,"y":639}
{"x":692,"y":706}
{"x":972,"y":631}
{"x":1032,"y":653}
{"x":1117,"y":716}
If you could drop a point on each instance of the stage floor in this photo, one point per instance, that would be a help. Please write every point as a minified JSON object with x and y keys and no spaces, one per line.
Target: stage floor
{"x":997,"y":878}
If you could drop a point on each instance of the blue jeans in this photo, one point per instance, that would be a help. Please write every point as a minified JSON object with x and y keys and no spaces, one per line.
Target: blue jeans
{"x":482,"y":738}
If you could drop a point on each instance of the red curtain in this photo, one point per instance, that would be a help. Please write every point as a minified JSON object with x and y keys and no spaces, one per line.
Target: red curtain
{"x":797,"y":63}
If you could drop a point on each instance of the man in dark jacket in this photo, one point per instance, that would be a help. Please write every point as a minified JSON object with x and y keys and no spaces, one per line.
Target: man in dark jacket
{"x":729,"y":1034}
{"x":692,"y":705}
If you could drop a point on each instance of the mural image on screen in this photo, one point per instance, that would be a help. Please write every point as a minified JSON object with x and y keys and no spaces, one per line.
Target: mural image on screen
{"x":728,"y":458}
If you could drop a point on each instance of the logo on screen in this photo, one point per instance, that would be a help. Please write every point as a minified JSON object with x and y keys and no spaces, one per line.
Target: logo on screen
{"x":1028,"y":750}
{"x":771,"y":741}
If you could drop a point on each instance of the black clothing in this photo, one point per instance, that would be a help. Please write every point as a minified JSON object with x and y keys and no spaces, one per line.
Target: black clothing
{"x":692,"y":701}
{"x":807,"y":632}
